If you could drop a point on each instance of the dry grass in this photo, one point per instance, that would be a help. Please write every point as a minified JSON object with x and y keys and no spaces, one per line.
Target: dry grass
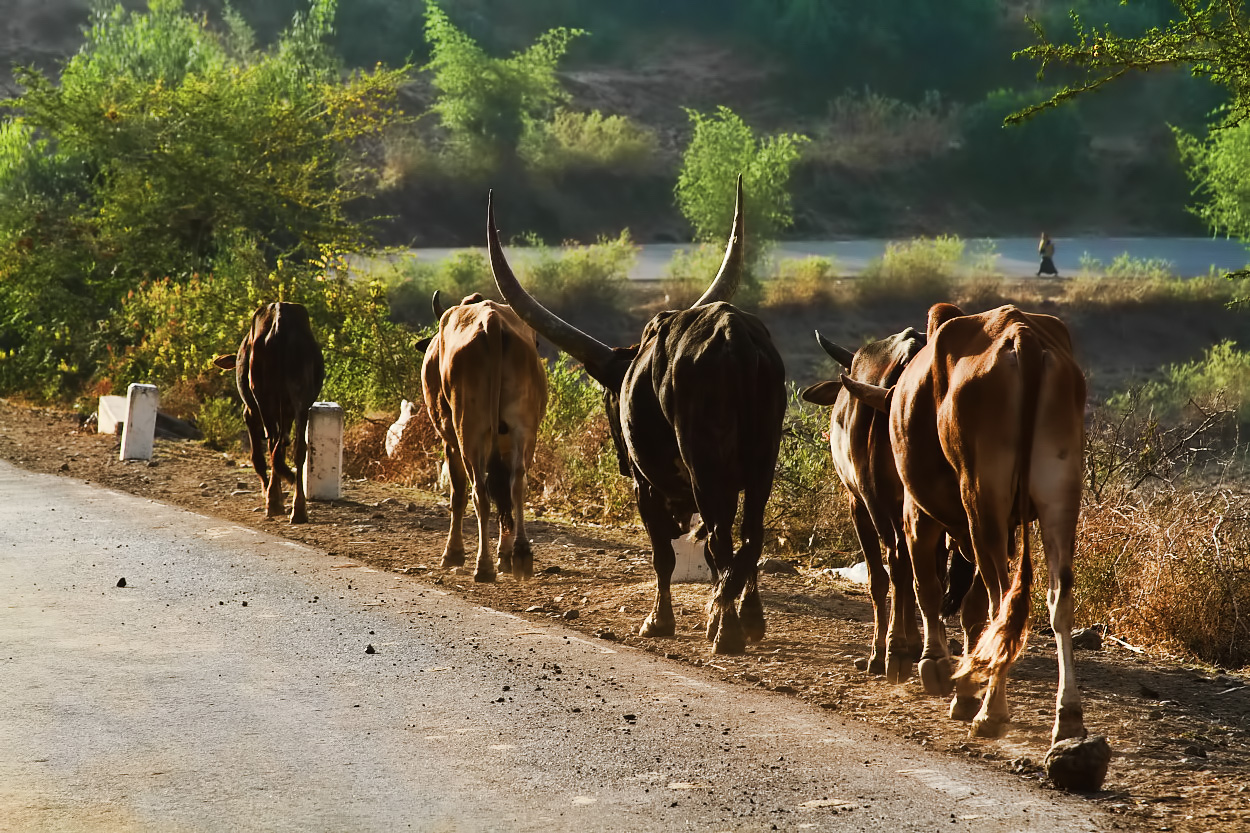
{"x":1169,"y":571}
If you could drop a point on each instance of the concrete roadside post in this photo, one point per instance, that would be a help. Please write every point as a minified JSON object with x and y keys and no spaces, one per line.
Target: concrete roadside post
{"x":139,"y":430}
{"x":323,"y":472}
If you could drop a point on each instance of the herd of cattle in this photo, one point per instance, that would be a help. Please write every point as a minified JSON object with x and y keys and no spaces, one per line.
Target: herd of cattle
{"x":947,"y":443}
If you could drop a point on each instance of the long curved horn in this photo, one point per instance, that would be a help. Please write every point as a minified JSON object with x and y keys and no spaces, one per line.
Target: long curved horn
{"x":586,"y":349}
{"x":839,"y":354}
{"x":730,"y":275}
{"x":436,"y":304}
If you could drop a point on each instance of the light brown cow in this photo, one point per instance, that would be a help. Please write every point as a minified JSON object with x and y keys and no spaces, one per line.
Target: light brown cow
{"x":486,"y":392}
{"x":987,"y":430}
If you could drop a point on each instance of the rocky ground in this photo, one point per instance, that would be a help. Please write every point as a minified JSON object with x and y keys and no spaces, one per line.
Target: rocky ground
{"x":1180,"y":733}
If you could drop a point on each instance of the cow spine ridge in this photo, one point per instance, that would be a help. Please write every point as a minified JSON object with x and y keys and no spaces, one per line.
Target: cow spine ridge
{"x":1003,"y":641}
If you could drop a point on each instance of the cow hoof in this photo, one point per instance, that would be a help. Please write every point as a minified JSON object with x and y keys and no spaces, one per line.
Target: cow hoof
{"x":751,"y":615}
{"x":965,"y":708}
{"x":873,"y":665}
{"x":936,"y":676}
{"x":729,"y":642}
{"x":988,"y":727}
{"x":504,"y":567}
{"x":523,"y":568}
{"x":452,"y":560}
{"x":299,"y":519}
{"x":898,"y":670}
{"x":483,"y":577}
{"x":1069,"y":724}
{"x":653,"y":627}
{"x":1079,"y":765}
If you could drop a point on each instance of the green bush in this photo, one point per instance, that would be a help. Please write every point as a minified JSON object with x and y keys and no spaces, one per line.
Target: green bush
{"x":690,"y":271}
{"x":803,"y":283}
{"x":574,"y":141}
{"x":221,"y":421}
{"x":807,"y":510}
{"x":1221,"y":376}
{"x":411,"y":283}
{"x":722,"y":147}
{"x":576,"y":277}
{"x":925,"y":268}
{"x":488,"y":104}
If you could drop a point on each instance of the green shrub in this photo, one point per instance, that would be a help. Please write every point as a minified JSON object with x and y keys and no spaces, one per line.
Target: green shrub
{"x":690,"y":271}
{"x":221,"y":421}
{"x":925,"y":269}
{"x":872,"y":132}
{"x":807,"y":510}
{"x":803,"y":283}
{"x":577,"y":141}
{"x":722,"y":147}
{"x":575,"y":465}
{"x":1222,"y":375}
{"x":574,"y":276}
{"x":410,"y":284}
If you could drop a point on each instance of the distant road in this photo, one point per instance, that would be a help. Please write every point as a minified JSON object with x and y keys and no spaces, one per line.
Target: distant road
{"x":1189,"y":256}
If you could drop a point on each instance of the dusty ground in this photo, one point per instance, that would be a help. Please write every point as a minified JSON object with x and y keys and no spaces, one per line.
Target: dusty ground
{"x":1181,"y":733}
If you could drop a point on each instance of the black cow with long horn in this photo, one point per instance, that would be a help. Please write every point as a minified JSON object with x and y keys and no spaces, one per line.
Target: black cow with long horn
{"x":695,"y":411}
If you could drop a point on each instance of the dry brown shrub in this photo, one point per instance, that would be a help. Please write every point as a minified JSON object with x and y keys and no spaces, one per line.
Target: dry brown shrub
{"x":576,"y":474}
{"x":417,"y":458}
{"x":1169,"y":571}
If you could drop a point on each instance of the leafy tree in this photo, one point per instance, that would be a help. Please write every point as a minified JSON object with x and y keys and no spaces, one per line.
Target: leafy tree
{"x":488,"y":103}
{"x":1212,"y":38}
{"x":163,"y":145}
{"x":723,"y":146}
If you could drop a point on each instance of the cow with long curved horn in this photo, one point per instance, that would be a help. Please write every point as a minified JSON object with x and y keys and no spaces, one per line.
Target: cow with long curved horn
{"x":695,"y":411}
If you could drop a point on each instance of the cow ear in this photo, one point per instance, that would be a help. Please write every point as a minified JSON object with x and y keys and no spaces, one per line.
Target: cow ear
{"x":873,"y":396}
{"x":821,"y":393}
{"x":423,"y":344}
{"x":226,"y":362}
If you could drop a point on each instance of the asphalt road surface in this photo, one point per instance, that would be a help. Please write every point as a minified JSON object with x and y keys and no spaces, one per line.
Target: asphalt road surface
{"x":1017,"y":256}
{"x":228,"y":686}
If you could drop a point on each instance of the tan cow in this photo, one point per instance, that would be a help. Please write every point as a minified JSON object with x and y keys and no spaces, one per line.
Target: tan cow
{"x":987,"y":430}
{"x":486,"y":392}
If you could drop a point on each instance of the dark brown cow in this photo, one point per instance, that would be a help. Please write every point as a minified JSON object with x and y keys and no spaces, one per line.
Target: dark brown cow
{"x":486,"y":392}
{"x":695,"y":411}
{"x":987,"y":429}
{"x":859,"y":439}
{"x":279,"y":370}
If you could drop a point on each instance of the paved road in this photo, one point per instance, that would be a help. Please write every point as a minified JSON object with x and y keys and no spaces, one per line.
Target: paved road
{"x":227,"y":687}
{"x":1189,"y":256}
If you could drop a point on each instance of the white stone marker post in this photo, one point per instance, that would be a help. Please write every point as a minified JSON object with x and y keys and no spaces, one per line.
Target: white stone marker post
{"x":139,"y":431}
{"x":324,"y":467}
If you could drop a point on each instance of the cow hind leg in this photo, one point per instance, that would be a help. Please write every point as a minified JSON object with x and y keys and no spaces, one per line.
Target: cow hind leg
{"x":299,"y":505}
{"x":275,"y":506}
{"x":661,"y":529}
{"x":923,"y":537}
{"x":878,"y":585}
{"x":733,"y":630}
{"x":484,"y":570}
{"x":453,"y":552}
{"x":499,"y":484}
{"x":973,"y":616}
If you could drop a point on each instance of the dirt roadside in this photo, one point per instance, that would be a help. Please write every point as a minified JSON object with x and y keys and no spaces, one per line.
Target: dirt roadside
{"x":1181,"y":733}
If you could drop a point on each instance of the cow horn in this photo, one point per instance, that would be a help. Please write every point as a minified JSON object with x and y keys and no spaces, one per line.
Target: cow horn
{"x":586,"y":349}
{"x":839,"y":354}
{"x":436,"y":304}
{"x":730,"y":275}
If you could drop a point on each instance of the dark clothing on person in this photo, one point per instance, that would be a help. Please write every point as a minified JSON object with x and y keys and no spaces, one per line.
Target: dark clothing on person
{"x":1046,"y":250}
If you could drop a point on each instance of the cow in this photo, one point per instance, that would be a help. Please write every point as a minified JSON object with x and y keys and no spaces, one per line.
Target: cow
{"x":485,"y":389}
{"x":859,"y":440}
{"x":987,"y":430}
{"x":695,"y":411}
{"x":279,"y":371}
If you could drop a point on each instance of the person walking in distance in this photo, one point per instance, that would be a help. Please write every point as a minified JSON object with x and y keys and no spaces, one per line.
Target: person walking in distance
{"x":1046,"y":250}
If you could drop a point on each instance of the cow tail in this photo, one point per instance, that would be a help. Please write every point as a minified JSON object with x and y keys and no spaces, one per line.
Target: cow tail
{"x":1005,"y":639}
{"x":498,"y":470}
